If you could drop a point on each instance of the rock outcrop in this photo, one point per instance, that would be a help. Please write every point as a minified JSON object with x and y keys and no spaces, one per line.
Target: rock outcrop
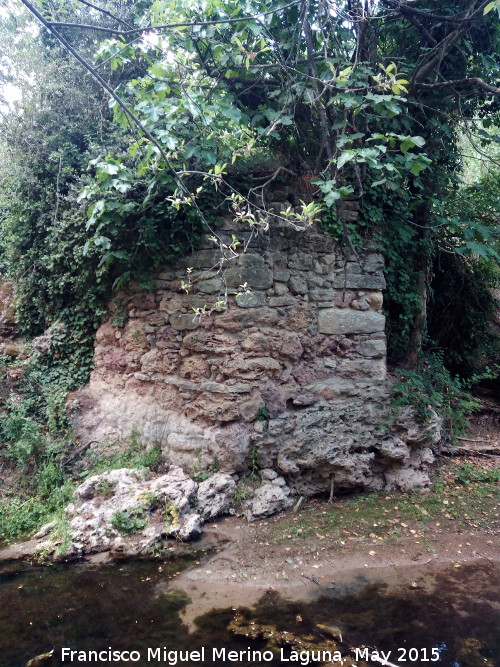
{"x":131,"y":511}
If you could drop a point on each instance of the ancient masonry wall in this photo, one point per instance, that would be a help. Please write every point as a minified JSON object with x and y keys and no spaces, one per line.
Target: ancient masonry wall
{"x":290,"y":378}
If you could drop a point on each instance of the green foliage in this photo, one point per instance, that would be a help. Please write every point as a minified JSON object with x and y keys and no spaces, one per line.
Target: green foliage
{"x":343,"y":99}
{"x":129,"y":521}
{"x":199,"y":471}
{"x":242,"y":493}
{"x":39,"y":454}
{"x":74,"y":226}
{"x":20,"y":515}
{"x":463,"y":312}
{"x":431,"y":388}
{"x":21,"y":431}
{"x":262,"y":414}
{"x":255,"y":464}
{"x":105,"y":488}
{"x":470,"y":474}
{"x":171,"y":513}
{"x":129,"y":454}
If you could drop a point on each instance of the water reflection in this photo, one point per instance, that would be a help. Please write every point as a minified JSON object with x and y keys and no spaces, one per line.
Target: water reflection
{"x":94,"y":608}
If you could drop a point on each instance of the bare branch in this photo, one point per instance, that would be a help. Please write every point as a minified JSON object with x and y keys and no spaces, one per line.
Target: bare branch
{"x":166,"y":26}
{"x":471,"y":81}
{"x":436,"y":54}
{"x":104,"y":85}
{"x":407,"y":9}
{"x":106,"y":12}
{"x":422,"y":30}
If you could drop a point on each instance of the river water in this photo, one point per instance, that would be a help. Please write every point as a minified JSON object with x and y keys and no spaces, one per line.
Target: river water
{"x":451,"y":620}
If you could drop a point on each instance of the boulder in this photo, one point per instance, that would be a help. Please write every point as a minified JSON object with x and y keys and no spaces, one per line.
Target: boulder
{"x":215,"y":495}
{"x":268,"y":500}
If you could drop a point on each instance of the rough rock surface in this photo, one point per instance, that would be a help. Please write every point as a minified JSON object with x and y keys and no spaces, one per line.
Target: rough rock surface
{"x":292,"y":375}
{"x":268,"y":499}
{"x":129,"y":509}
{"x":215,"y":496}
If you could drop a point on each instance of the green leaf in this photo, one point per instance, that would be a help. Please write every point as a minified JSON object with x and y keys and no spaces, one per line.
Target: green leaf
{"x":345,"y":157}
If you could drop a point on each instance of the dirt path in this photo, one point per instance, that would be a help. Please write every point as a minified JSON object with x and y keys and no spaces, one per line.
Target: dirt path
{"x":248,"y":565}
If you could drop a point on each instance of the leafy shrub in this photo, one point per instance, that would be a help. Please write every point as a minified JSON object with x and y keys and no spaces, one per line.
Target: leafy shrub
{"x":22,"y":433}
{"x":431,"y":388}
{"x":132,"y":454}
{"x":129,"y":521}
{"x":171,"y":513}
{"x":20,"y":515}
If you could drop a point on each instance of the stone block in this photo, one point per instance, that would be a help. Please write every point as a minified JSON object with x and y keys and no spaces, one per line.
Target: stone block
{"x":359,"y":369}
{"x":302,"y":261}
{"x":256,"y":342}
{"x":372,"y":348}
{"x":279,"y":301}
{"x":376,"y":300}
{"x":373,"y":262}
{"x":251,"y":259}
{"x":184,"y":321}
{"x":344,"y":321}
{"x":171,"y":303}
{"x":219,"y":388}
{"x":211,"y":286}
{"x":297,"y":285}
{"x":360,"y":304}
{"x":269,"y":499}
{"x":322,"y":294}
{"x":203,"y":259}
{"x":359,"y":281}
{"x":280,"y":289}
{"x":208,"y":342}
{"x":259,"y":277}
{"x":236,"y":320}
{"x":249,"y":408}
{"x":250,"y":299}
{"x":281,"y":275}
{"x":291,"y":346}
{"x":251,"y":369}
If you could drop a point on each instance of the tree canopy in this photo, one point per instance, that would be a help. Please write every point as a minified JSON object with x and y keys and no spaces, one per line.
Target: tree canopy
{"x":213,"y":100}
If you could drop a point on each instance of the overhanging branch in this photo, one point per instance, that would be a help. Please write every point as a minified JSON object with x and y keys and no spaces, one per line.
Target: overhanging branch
{"x":471,"y":81}
{"x":165,"y":26}
{"x":106,"y":12}
{"x":91,"y":70}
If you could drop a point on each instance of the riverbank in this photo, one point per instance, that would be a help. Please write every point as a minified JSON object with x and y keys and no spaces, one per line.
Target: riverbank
{"x":431,"y":560}
{"x":457,"y":521}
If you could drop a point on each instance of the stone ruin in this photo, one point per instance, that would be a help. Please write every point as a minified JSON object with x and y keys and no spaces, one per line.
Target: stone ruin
{"x":289,"y":380}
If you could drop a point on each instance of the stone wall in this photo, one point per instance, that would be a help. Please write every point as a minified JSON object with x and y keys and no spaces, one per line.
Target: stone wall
{"x":290,"y":378}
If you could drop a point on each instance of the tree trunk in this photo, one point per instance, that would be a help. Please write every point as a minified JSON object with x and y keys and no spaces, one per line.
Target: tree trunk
{"x":422,"y":266}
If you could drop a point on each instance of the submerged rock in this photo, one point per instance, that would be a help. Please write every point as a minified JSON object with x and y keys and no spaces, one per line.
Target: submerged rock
{"x":42,"y":660}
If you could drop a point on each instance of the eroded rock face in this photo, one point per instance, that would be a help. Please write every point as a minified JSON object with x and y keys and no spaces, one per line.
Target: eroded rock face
{"x":292,"y":375}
